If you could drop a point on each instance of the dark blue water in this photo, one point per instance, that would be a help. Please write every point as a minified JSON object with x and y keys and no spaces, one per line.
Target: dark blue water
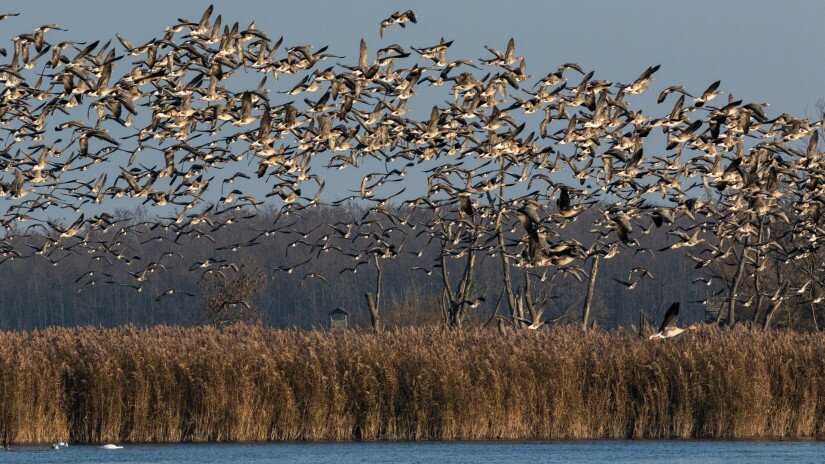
{"x":612,"y":452}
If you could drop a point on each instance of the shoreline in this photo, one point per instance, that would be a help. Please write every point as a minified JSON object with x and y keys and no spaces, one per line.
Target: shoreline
{"x":549,"y":441}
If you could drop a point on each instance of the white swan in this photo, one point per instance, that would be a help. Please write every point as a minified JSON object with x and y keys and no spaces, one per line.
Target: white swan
{"x":110,"y":447}
{"x":60,"y":443}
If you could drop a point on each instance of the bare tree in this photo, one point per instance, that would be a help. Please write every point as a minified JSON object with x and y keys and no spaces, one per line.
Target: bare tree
{"x":229,"y":298}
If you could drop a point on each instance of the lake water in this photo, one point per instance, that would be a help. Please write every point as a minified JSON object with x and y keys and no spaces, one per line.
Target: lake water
{"x":612,"y":452}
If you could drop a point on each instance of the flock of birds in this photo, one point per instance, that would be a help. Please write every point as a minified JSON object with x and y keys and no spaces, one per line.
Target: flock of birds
{"x":509,"y":160}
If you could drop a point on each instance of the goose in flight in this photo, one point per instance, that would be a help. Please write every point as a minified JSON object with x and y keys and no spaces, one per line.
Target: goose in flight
{"x":536,"y":323}
{"x":668,"y":328}
{"x":172,"y":291}
{"x":400,"y":18}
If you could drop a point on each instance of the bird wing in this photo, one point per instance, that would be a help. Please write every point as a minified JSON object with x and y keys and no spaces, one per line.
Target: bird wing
{"x":563,"y":201}
{"x":362,"y":55}
{"x":670,"y":317}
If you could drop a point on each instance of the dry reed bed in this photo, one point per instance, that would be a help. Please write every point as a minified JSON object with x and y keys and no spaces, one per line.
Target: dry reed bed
{"x":250,"y":383}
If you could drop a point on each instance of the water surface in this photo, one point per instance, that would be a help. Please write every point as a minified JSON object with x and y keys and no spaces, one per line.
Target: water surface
{"x":609,"y":452}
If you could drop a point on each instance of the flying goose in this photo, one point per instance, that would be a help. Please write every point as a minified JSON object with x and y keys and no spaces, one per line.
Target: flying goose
{"x":400,"y":18}
{"x":668,"y":328}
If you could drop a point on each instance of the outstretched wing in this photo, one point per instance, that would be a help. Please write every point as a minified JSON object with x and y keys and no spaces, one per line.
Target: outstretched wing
{"x":670,"y":317}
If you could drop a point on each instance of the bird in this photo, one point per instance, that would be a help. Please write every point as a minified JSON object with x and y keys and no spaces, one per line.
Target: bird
{"x":400,"y":18}
{"x":629,"y":284}
{"x":465,"y":205}
{"x":110,"y":446}
{"x":668,"y":328}
{"x":536,"y":323}
{"x":172,"y":291}
{"x":641,"y":83}
{"x":311,"y":275}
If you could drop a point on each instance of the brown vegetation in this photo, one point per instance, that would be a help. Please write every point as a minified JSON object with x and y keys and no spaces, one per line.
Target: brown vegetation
{"x":244,"y":383}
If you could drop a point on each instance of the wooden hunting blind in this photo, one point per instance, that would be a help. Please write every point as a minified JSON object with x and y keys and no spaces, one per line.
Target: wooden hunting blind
{"x":338,"y":319}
